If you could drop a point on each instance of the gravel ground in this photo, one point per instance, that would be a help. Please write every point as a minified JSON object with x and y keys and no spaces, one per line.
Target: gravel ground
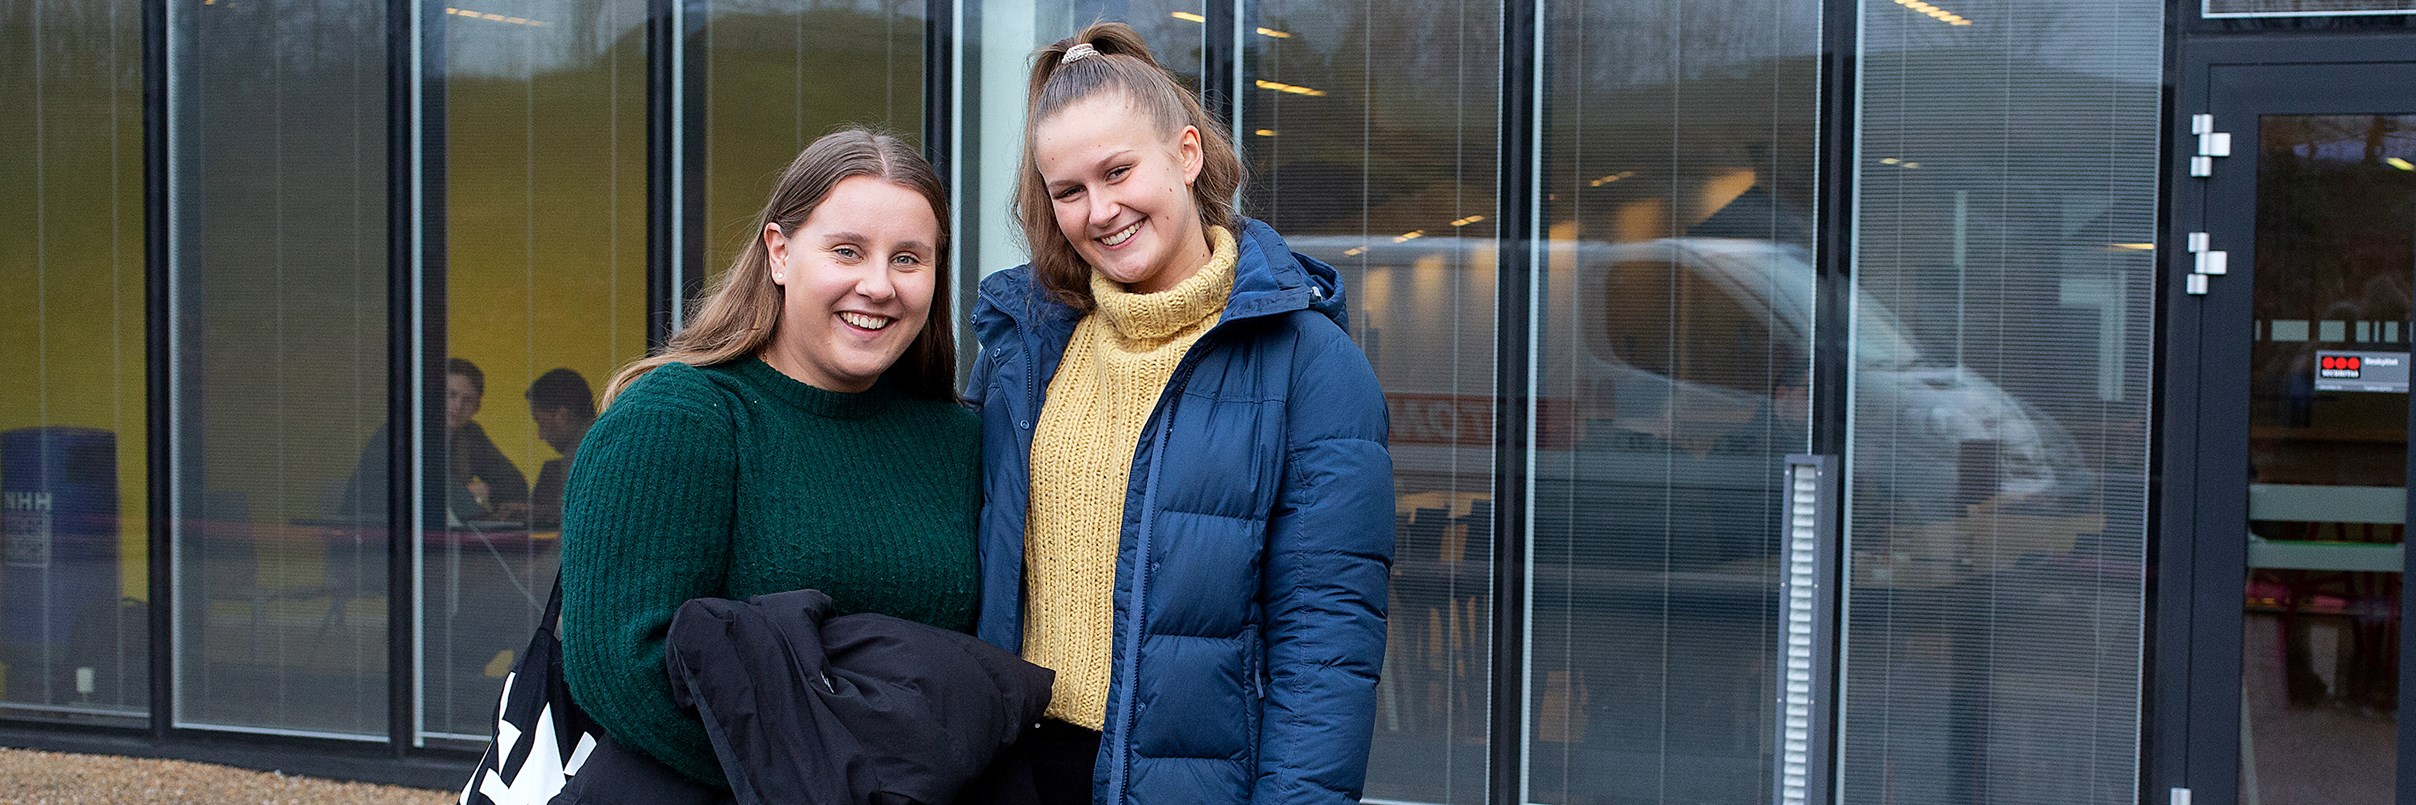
{"x":49,"y":778}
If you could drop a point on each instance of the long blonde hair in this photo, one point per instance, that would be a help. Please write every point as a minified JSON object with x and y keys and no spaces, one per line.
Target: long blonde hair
{"x":1124,"y":66}
{"x":740,"y":311}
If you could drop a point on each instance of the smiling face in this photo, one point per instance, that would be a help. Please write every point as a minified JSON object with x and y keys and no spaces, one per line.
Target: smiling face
{"x":856,"y":279}
{"x":1120,"y":188}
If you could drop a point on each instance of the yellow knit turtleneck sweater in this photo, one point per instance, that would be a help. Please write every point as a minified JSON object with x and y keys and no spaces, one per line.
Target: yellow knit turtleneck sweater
{"x":1120,"y":358}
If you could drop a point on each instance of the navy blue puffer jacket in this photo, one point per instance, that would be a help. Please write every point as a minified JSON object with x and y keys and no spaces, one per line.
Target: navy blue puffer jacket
{"x":1257,"y":539}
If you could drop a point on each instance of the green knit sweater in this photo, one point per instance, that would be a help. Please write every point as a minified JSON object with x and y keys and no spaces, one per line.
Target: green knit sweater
{"x":733,"y":481}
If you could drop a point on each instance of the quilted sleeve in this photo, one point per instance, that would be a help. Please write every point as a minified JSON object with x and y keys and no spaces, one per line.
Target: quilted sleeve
{"x":1329,"y":556}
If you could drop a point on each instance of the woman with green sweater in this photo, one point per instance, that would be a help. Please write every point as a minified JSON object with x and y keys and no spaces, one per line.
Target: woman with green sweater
{"x":801,"y":431}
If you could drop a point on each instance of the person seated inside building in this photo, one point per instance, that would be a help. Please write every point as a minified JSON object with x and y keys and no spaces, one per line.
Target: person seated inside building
{"x":480,"y":483}
{"x":563,"y":407}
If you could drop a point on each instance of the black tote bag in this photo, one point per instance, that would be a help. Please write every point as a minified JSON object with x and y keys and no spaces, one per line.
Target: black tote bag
{"x":546,"y":749}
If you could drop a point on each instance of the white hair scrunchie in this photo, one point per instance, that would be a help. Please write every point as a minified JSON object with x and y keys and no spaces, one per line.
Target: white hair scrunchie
{"x":1078,"y":53}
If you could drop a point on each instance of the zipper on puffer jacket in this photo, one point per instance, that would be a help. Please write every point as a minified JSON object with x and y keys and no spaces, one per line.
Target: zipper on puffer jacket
{"x":1257,"y":661}
{"x":1031,"y":395}
{"x":1122,"y":777}
{"x":1026,"y":427}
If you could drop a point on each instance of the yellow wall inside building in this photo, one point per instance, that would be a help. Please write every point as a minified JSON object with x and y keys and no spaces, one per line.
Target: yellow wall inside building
{"x":547,"y":268}
{"x":72,"y":313}
{"x":546,"y":232}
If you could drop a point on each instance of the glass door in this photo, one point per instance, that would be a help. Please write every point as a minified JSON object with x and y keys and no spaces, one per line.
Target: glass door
{"x":2304,"y":269}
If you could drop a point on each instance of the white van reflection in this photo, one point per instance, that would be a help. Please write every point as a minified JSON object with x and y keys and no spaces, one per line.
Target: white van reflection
{"x":1670,"y":381}
{"x":1695,"y":348}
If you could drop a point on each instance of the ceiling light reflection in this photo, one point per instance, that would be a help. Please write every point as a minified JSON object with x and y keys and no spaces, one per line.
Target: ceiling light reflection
{"x":1264,"y":31}
{"x":1295,"y":89}
{"x":1611,"y":178}
{"x":492,"y":17}
{"x":1934,"y":12}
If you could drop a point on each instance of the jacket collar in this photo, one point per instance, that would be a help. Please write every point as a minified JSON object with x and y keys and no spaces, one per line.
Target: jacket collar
{"x":1268,"y":279}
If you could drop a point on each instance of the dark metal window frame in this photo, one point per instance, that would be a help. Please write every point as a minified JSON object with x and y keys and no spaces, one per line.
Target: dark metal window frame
{"x":1833,"y":351}
{"x":158,"y":362}
{"x":427,"y":347}
{"x":1516,"y":240}
{"x":662,"y":252}
{"x":940,"y":80}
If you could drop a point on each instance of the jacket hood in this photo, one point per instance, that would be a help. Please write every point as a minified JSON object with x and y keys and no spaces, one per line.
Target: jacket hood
{"x":1268,"y":279}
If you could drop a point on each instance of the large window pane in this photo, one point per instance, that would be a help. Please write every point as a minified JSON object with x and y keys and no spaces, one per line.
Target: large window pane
{"x":779,"y":73}
{"x":1370,"y":136}
{"x":544,"y":189}
{"x":2006,"y":176}
{"x":278,"y":119}
{"x":73,"y":442}
{"x":1675,"y":333}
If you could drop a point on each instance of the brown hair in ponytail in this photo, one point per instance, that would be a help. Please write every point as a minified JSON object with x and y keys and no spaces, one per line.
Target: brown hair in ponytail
{"x":1125,"y":66}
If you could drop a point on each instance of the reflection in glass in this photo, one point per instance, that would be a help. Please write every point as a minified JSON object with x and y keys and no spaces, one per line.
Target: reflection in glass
{"x":2335,"y":235}
{"x":544,"y":196}
{"x":1673,"y":379}
{"x":2006,"y":174}
{"x":280,"y":250}
{"x":74,"y":535}
{"x":1176,"y":30}
{"x":1380,"y":158}
{"x":779,"y":73}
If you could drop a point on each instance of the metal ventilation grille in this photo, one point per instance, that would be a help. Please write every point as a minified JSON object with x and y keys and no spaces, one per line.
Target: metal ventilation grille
{"x":1804,"y":646}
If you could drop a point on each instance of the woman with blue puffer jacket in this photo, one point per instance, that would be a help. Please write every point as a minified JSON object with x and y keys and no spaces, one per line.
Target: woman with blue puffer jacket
{"x":1187,"y":496}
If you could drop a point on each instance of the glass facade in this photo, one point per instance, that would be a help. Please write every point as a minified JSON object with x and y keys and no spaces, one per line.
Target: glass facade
{"x":278,"y":254}
{"x":401,"y":261}
{"x":74,"y":466}
{"x":542,"y":187}
{"x":1674,"y":331}
{"x":775,"y":74}
{"x":1370,"y":140}
{"x":2006,"y":187}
